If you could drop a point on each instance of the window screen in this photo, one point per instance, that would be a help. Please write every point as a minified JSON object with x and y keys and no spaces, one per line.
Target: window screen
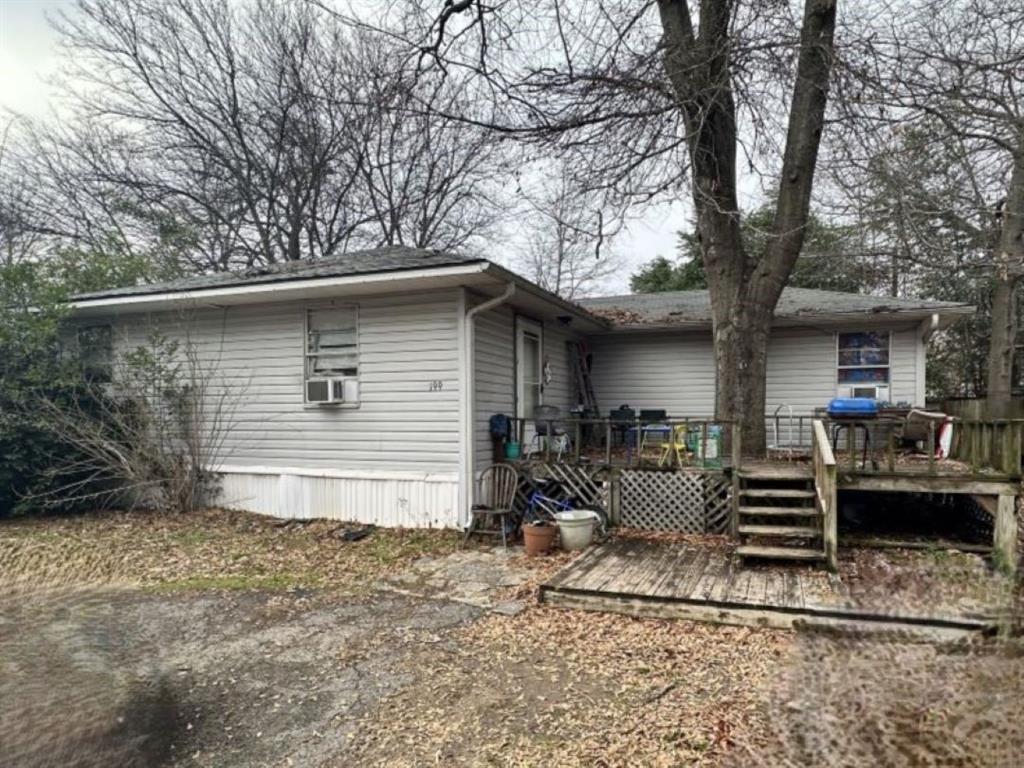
{"x":332,"y":347}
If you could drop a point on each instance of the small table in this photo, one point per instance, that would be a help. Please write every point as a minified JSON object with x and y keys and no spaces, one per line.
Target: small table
{"x":663,"y":430}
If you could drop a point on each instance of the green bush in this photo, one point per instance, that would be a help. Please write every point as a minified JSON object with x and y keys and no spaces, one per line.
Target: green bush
{"x":34,"y":363}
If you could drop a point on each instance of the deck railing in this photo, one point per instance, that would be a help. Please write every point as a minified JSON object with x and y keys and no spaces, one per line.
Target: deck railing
{"x":668,"y":443}
{"x":988,"y":447}
{"x":825,"y":488}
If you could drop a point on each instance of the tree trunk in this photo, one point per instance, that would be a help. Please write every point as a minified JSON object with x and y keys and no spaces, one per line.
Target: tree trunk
{"x":1008,"y":263}
{"x":744,"y":291}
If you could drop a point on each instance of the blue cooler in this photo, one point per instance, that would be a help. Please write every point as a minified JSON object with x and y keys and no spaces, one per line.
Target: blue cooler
{"x":852,"y":408}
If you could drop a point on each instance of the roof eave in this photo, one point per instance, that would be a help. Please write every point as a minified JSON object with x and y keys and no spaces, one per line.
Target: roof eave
{"x":570,"y":307}
{"x":278,"y":290}
{"x":947,"y":314}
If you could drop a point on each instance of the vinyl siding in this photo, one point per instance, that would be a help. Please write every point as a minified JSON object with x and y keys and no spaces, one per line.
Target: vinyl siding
{"x":802,"y":368}
{"x":676,"y":372}
{"x":257,"y":351}
{"x":670,"y":371}
{"x":495,"y":373}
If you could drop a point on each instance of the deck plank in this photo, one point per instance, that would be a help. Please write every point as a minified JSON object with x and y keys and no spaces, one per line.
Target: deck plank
{"x":578,"y":569}
{"x":621,"y":557}
{"x":707,"y":583}
{"x":714,"y":569}
{"x":687,"y":583}
{"x":681,"y":568}
{"x":661,"y":569}
{"x":681,"y":554}
{"x":793,"y":596}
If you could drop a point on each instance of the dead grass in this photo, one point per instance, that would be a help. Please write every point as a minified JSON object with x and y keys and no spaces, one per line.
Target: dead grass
{"x":933,"y":581}
{"x":213,"y":549}
{"x":554,"y":687}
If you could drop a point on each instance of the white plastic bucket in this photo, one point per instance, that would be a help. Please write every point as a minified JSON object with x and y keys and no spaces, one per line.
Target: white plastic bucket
{"x":576,"y":528}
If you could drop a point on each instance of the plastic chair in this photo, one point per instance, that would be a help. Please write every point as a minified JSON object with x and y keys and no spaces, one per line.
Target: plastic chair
{"x":497,"y":486}
{"x":676,"y":445}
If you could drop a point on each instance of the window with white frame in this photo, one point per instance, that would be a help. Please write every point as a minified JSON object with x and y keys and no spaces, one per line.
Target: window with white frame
{"x":863,"y":359}
{"x":96,"y":352}
{"x":332,"y":342}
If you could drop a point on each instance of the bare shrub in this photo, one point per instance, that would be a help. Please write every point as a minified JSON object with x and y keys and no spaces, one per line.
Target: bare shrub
{"x":150,"y":436}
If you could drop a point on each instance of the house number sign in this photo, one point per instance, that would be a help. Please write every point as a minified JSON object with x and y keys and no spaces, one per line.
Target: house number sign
{"x":435,"y":386}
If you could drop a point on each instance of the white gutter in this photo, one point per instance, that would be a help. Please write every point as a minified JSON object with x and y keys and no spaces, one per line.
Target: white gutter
{"x":274,"y":287}
{"x":467,"y":388}
{"x":930,"y":328}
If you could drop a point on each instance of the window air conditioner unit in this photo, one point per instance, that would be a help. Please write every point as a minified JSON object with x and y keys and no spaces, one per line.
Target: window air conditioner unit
{"x":332,"y":391}
{"x":880,"y":393}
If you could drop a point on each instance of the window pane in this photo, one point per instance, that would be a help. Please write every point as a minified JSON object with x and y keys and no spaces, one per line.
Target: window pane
{"x":857,"y":357}
{"x":96,"y":351}
{"x":531,"y":358}
{"x":531,"y":399}
{"x":864,"y":340}
{"x":863,"y":375}
{"x":332,"y":342}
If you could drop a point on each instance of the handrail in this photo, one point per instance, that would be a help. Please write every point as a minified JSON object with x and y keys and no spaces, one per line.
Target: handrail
{"x":778,"y":446}
{"x":591,"y":437}
{"x":825,"y":488}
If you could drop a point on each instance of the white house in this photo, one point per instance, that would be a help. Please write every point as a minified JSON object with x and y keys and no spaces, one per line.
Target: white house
{"x":369,"y":379}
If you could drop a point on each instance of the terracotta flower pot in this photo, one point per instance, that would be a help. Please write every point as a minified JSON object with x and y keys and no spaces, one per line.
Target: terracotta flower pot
{"x":539,"y":538}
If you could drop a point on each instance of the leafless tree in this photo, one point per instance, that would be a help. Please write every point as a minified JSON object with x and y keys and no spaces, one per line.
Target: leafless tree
{"x":18,"y":233}
{"x":228,"y":135}
{"x":950,"y":76}
{"x":566,"y":250}
{"x":426,"y":179}
{"x":649,"y":99}
{"x":208,"y":117}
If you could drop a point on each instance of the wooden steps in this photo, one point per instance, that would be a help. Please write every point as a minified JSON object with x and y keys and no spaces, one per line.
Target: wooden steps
{"x":779,"y":511}
{"x":780,"y":553}
{"x":777,"y":493}
{"x":782,"y":531}
{"x":779,"y":518}
{"x":777,"y":472}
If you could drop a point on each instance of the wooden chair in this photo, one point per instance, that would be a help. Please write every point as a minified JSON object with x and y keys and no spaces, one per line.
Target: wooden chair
{"x":498,"y":485}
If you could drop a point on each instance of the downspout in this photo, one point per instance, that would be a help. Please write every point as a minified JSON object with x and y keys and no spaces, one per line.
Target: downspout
{"x":928,"y":329}
{"x":467,"y":385}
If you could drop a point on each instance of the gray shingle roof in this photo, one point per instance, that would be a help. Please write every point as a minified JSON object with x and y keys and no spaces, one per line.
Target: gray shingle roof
{"x":694,"y":307}
{"x":388,"y":259}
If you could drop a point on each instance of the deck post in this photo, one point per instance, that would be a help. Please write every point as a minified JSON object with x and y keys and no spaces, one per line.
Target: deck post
{"x":1005,"y":534}
{"x":737,"y":465}
{"x":931,"y":447}
{"x":614,"y":495}
{"x":608,"y":442}
{"x":1008,"y":463}
{"x":576,"y":442}
{"x":639,"y":442}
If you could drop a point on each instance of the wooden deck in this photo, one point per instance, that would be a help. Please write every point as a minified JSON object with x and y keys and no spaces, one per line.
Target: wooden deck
{"x":706,"y":583}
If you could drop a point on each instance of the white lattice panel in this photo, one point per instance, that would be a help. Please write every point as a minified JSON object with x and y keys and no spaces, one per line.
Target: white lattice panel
{"x":688,"y":502}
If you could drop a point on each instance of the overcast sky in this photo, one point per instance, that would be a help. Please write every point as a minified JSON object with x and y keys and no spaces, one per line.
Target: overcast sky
{"x":28,"y":56}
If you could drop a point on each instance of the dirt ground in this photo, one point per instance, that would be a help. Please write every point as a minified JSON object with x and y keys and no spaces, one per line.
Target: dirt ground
{"x":222,"y":639}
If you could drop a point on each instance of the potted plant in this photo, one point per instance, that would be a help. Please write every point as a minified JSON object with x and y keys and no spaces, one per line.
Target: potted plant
{"x":539,"y":537}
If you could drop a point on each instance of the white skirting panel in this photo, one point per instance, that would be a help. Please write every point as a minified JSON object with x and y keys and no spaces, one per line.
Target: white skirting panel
{"x":396,"y":500}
